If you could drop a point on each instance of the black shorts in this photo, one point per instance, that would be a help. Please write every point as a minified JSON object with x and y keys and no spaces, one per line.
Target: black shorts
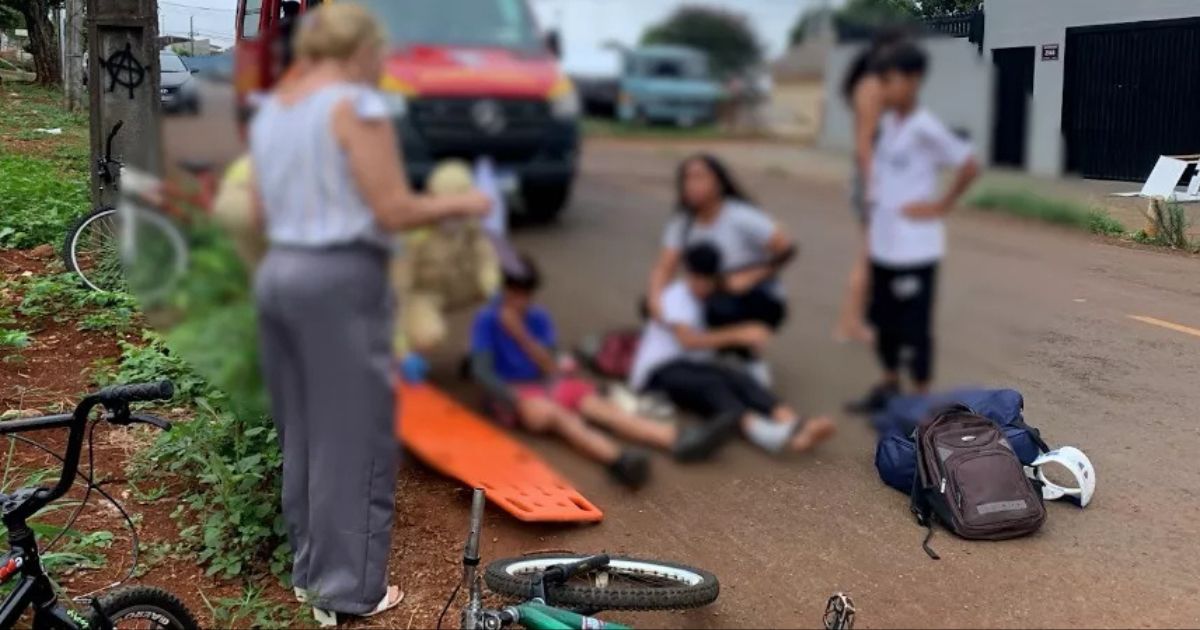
{"x":902,"y":298}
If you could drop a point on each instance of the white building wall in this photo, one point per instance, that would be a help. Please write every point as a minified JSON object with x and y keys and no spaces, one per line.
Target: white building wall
{"x":1013,"y":23}
{"x":958,"y":89}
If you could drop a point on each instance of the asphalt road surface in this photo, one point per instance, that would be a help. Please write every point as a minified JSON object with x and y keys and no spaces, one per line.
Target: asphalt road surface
{"x":1026,"y":306}
{"x":1023,"y":305}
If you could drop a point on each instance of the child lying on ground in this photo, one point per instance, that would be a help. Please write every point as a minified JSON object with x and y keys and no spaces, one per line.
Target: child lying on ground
{"x":513,"y":357}
{"x":675,"y":358}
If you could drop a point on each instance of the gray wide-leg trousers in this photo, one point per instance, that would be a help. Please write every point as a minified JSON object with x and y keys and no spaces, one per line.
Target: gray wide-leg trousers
{"x":324,"y":325}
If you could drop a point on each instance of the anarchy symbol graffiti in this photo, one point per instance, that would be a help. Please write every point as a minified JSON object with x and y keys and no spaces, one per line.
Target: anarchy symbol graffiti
{"x":124,"y":70}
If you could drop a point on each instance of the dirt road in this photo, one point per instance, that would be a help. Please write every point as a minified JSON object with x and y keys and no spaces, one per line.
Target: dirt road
{"x":1024,"y":306}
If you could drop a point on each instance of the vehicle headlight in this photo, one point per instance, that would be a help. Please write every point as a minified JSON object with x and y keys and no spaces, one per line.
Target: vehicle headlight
{"x":564,"y":100}
{"x":397,"y":104}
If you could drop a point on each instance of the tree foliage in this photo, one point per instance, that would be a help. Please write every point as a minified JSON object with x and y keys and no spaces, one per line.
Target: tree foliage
{"x":726,"y":36}
{"x":43,"y":38}
{"x":873,"y":12}
{"x":10,"y":18}
{"x":806,"y":23}
{"x":876,"y":12}
{"x":937,"y":8}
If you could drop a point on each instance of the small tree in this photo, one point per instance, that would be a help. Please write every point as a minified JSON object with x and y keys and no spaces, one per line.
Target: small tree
{"x":938,"y":8}
{"x":43,"y":38}
{"x":806,"y":23}
{"x":725,"y":35}
{"x":877,"y":12}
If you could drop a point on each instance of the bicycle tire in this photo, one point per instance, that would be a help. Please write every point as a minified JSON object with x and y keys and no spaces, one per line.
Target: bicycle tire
{"x":144,"y":603}
{"x":69,"y":253}
{"x":683,"y":586}
{"x":173,"y":261}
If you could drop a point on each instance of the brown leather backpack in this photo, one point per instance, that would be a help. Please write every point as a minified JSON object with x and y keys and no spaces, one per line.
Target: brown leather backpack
{"x":969,"y":479}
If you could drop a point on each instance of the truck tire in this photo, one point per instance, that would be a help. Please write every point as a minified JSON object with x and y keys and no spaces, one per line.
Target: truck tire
{"x":544,"y":202}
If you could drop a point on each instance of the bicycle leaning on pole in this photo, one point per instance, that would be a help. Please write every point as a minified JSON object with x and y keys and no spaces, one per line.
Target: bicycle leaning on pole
{"x":137,"y":245}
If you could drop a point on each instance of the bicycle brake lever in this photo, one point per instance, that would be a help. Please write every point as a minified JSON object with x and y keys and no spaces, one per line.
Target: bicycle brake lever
{"x":146,"y":418}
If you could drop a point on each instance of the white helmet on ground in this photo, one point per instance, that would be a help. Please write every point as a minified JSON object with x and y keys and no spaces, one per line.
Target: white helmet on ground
{"x":1078,"y":465}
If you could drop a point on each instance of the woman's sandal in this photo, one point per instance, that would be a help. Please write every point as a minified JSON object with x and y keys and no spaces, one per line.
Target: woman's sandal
{"x":329,"y":618}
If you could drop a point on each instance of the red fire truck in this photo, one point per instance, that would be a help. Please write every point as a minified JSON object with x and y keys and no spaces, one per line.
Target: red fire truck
{"x":465,"y":79}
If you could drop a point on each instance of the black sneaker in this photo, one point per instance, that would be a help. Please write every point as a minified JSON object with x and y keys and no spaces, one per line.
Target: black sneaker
{"x":632,"y":469}
{"x":875,"y":401}
{"x":699,"y":442}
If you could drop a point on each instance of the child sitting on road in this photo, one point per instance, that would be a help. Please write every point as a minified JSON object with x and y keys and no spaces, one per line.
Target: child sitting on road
{"x":906,"y":234}
{"x":676,"y":357}
{"x":513,"y":357}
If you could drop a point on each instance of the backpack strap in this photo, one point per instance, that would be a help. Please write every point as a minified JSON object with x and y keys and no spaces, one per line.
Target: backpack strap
{"x":925,"y":543}
{"x":1034,"y":434}
{"x":921,"y":512}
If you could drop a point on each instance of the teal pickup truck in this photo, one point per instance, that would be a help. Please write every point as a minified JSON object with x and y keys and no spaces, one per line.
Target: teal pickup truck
{"x":668,"y":84}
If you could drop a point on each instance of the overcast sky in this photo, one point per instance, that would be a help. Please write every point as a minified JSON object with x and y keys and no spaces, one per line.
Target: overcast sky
{"x":584,"y":24}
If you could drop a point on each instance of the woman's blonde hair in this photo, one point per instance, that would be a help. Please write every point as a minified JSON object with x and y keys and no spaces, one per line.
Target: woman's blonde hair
{"x":337,"y":31}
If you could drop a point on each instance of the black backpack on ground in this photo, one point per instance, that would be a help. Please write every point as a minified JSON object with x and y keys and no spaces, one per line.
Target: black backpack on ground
{"x":970,"y":480}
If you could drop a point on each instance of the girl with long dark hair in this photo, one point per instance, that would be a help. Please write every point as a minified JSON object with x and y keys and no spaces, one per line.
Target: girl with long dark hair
{"x":863,"y":92}
{"x":713,"y":208}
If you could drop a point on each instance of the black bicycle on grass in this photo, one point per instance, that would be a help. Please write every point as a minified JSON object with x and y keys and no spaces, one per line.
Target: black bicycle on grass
{"x":140,"y":606}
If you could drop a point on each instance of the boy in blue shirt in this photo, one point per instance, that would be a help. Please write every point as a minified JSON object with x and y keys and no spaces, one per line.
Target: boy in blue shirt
{"x":513,"y":357}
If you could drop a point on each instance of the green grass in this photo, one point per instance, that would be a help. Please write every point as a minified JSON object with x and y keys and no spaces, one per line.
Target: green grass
{"x":43,"y":178}
{"x":1057,"y":211}
{"x":38,"y":201}
{"x":617,"y":129}
{"x":253,"y":609}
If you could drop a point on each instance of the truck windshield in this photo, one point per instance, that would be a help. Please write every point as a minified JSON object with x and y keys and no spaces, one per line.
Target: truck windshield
{"x":652,"y":67}
{"x":483,"y":23}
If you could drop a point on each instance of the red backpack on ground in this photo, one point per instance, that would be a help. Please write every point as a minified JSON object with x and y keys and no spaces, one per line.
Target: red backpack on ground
{"x":610,"y":354}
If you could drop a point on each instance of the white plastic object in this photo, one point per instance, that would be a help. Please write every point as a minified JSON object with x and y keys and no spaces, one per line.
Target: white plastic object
{"x":1075,"y":462}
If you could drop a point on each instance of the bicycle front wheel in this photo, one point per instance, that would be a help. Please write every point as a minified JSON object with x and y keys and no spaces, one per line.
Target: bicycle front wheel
{"x":148,"y":262}
{"x":144,"y":607}
{"x":625,"y":584}
{"x":90,"y":250}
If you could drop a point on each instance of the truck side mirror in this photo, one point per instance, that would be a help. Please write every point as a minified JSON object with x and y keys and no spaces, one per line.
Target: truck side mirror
{"x":553,"y":43}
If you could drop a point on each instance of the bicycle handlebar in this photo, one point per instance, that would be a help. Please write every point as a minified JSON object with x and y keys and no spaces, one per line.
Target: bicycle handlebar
{"x":116,"y":399}
{"x":108,"y":143}
{"x":141,"y":392}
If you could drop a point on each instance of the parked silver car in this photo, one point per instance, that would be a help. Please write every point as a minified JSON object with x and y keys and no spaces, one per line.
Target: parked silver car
{"x":179,"y":92}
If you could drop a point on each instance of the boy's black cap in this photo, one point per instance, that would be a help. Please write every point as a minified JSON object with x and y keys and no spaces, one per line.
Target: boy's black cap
{"x":702,"y":259}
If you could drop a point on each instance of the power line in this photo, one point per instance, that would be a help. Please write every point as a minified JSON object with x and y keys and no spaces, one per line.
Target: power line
{"x":194,"y":7}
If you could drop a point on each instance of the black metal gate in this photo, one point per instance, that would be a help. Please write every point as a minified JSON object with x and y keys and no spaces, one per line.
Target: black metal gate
{"x":1014,"y":87}
{"x":1131,"y":92}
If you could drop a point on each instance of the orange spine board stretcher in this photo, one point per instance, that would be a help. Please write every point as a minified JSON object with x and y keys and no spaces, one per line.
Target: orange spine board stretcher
{"x":458,"y":443}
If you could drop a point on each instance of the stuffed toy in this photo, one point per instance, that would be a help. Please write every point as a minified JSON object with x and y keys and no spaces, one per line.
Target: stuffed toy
{"x":441,"y":269}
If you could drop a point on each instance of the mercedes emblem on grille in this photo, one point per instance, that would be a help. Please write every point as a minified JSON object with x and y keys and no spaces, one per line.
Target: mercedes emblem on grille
{"x":489,"y":116}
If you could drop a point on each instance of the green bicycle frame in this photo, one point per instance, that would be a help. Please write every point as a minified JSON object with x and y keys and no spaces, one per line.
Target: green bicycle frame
{"x":540,"y":617}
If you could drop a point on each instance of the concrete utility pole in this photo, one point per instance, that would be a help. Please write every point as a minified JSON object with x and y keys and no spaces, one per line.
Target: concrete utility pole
{"x":73,"y":51}
{"x":123,"y":76}
{"x":192,"y":33}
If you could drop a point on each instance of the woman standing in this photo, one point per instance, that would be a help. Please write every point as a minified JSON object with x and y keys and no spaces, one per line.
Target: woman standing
{"x":863,"y":92}
{"x":753,"y":247}
{"x":332,"y":184}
